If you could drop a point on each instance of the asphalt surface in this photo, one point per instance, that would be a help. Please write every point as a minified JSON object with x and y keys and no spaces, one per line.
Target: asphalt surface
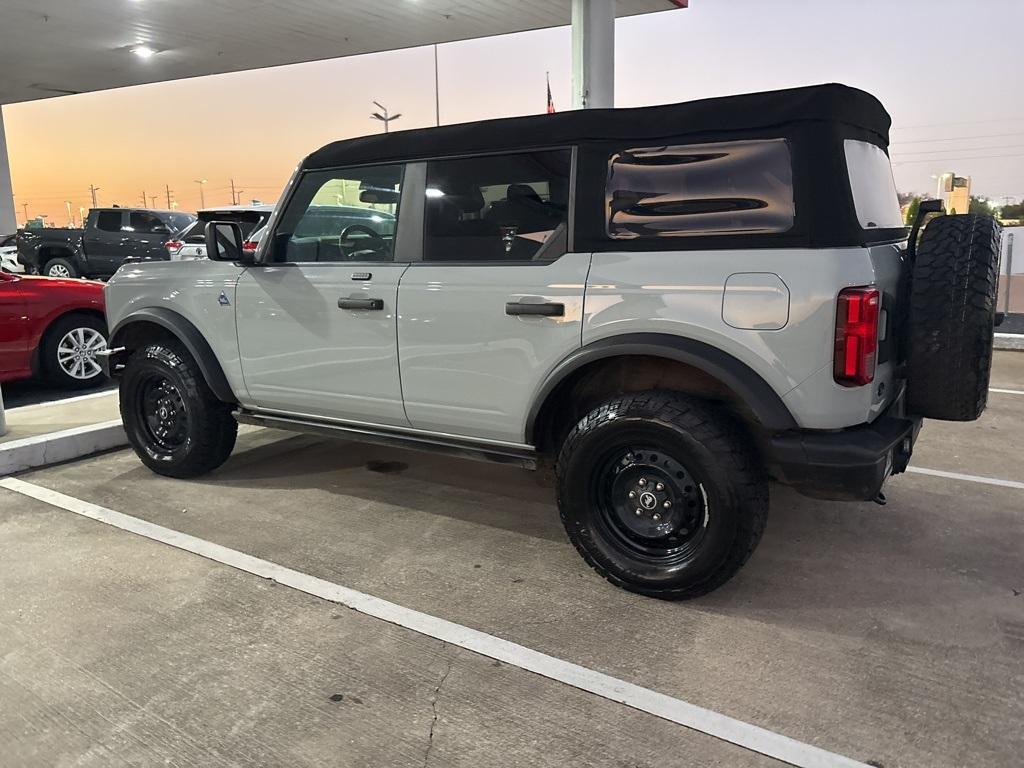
{"x":892,"y":635}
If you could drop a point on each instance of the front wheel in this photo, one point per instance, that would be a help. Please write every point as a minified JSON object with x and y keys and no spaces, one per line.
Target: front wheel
{"x":67,"y":354}
{"x":60,"y":267}
{"x":175,"y":423}
{"x":661,"y":494}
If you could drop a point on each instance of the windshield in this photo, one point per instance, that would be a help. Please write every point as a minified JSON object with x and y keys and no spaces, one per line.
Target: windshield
{"x":177,"y":221}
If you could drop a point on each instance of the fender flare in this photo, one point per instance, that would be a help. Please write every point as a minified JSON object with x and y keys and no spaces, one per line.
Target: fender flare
{"x":187,"y":334}
{"x":763,"y":401}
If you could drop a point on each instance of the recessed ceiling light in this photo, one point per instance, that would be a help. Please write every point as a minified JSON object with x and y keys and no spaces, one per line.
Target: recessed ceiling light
{"x":143,"y":51}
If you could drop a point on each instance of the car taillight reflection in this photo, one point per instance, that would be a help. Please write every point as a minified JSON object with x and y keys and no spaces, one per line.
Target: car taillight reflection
{"x":249,"y":246}
{"x":173,"y":246}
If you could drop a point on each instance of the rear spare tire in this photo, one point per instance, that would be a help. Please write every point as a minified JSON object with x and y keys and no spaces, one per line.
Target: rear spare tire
{"x":952,"y":316}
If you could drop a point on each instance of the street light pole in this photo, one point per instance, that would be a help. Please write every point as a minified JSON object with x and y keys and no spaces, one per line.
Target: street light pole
{"x":385,"y":117}
{"x":92,"y":191}
{"x":202,"y":197}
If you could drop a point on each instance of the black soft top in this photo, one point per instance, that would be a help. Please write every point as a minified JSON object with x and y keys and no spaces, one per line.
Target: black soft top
{"x":830,"y":103}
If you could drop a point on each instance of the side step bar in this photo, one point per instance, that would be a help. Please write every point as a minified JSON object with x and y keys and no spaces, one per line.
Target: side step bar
{"x":448,"y":446}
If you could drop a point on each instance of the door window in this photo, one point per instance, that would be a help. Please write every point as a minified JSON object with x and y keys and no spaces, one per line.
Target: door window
{"x":345,"y":215}
{"x":108,"y":221}
{"x":497,"y":208}
{"x":145,"y":223}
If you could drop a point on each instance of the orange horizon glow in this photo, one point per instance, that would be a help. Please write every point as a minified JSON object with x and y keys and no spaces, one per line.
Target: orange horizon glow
{"x":255,"y":126}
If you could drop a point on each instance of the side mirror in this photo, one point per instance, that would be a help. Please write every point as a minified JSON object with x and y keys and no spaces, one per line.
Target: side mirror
{"x":224,"y":242}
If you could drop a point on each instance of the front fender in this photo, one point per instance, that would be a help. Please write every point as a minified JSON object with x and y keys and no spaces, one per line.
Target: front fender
{"x":124,"y":339}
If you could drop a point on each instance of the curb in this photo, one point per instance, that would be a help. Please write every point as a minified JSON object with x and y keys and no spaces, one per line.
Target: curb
{"x":54,"y":447}
{"x":1014,"y":341}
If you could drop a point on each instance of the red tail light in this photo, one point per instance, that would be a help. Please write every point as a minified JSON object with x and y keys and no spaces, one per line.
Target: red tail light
{"x":856,"y":336}
{"x":249,"y":246}
{"x":173,"y":245}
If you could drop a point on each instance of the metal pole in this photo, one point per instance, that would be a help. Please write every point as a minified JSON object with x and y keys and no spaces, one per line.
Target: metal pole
{"x":593,"y":54}
{"x":1009,"y":271}
{"x":8,"y":222}
{"x":437,"y":93}
{"x":3,"y":419}
{"x":167,"y":191}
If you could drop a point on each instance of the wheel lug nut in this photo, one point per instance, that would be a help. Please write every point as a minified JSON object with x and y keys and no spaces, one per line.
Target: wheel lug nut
{"x":643,"y":481}
{"x":632,"y":494}
{"x":667,"y":504}
{"x":659,"y":487}
{"x":639,"y":511}
{"x":657,"y":516}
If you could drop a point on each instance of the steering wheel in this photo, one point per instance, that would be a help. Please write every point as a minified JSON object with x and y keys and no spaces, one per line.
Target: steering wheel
{"x":378,"y":244}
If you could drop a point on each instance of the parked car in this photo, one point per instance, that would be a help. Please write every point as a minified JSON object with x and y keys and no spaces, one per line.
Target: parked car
{"x":9,"y":254}
{"x":668,"y":304}
{"x":109,"y":238}
{"x":190,"y":243}
{"x":52,"y":329}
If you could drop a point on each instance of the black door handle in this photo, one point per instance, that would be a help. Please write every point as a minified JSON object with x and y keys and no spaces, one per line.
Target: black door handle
{"x":360,"y":303}
{"x":547,"y":309}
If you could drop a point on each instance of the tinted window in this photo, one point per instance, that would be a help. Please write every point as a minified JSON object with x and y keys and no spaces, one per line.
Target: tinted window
{"x":496,"y":208}
{"x":177,"y":221}
{"x":739,"y":187}
{"x":109,"y":221}
{"x":145,"y":222}
{"x":874,"y":191}
{"x":344,"y":215}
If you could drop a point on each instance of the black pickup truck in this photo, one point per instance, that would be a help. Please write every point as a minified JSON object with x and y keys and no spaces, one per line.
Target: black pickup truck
{"x":109,"y":238}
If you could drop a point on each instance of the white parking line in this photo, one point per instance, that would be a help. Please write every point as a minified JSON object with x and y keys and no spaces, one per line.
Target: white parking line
{"x":1006,"y":391}
{"x":720,"y":726}
{"x":968,"y":478}
{"x":66,"y":400}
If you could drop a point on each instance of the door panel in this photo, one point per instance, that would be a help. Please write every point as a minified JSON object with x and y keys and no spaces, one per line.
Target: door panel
{"x":468,"y":367}
{"x":14,"y":361}
{"x":106,"y":248}
{"x":302,"y":352}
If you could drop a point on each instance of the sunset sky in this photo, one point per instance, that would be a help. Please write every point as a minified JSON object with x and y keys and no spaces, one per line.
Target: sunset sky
{"x":948,"y":71}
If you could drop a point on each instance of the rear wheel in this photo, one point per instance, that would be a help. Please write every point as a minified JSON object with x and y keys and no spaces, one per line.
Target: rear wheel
{"x":67,"y":354}
{"x":661,"y":494}
{"x":176,"y":424}
{"x":952,"y":317}
{"x":60,"y":267}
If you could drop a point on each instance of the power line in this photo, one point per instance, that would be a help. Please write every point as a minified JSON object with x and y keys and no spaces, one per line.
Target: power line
{"x":950,"y":159}
{"x":961,"y":149}
{"x":961,"y":138}
{"x":961,"y":122}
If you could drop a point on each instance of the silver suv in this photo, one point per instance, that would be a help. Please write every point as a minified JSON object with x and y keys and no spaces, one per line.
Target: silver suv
{"x":669,"y":304}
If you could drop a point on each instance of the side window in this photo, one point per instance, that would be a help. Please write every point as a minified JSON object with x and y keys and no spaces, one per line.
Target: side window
{"x":871,"y":181}
{"x":497,"y":208}
{"x":145,"y":222}
{"x":728,"y":188}
{"x":342,"y":215}
{"x":109,"y":221}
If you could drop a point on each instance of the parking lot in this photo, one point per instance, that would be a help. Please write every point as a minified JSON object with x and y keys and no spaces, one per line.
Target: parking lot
{"x":892,"y":636}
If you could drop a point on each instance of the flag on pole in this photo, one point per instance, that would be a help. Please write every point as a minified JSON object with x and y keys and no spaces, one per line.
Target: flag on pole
{"x":551,"y":102}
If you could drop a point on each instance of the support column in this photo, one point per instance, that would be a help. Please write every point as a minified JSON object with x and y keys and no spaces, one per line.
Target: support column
{"x":8,"y":225}
{"x":593,"y":54}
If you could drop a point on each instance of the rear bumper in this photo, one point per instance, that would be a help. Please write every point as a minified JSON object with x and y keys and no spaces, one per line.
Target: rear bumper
{"x":848,"y":464}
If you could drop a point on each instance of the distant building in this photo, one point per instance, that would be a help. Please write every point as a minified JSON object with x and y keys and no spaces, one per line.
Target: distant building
{"x":954,"y":192}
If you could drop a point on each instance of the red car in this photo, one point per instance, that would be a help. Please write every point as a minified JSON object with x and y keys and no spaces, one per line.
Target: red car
{"x":51,"y":328}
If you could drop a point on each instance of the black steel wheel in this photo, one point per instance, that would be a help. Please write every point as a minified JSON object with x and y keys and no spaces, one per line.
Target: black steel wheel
{"x":662,"y":494}
{"x":175,"y":423}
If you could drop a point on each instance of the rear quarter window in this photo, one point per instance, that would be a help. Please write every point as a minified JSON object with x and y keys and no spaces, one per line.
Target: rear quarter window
{"x":872,"y":185}
{"x":737,"y":187}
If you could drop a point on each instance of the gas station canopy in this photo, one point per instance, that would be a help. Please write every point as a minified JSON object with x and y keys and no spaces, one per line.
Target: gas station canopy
{"x":58,"y":47}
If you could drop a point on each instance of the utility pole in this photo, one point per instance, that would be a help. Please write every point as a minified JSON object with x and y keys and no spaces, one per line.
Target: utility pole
{"x":236,"y":197}
{"x":71,"y":218}
{"x":152,"y":201}
{"x":384,"y":118}
{"x":25,"y":206}
{"x":143,"y":198}
{"x":167,"y":191}
{"x":92,"y":191}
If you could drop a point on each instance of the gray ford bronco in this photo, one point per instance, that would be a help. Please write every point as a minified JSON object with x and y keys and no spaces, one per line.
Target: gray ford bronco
{"x":668,"y":304}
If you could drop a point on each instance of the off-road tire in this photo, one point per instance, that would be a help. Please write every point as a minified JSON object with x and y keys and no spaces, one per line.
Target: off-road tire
{"x":209,"y":430}
{"x":49,"y":364}
{"x":60,"y":261}
{"x":952,"y":316}
{"x":699,"y":439}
